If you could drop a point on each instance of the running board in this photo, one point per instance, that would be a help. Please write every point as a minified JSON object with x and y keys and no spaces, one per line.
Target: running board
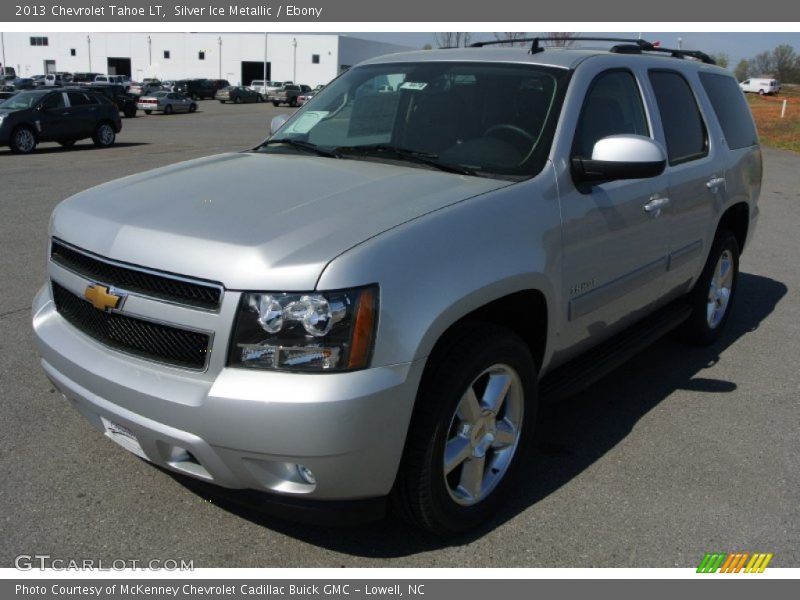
{"x":578,"y":374}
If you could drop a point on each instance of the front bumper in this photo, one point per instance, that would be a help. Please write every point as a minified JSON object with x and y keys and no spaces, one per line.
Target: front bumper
{"x":239,"y":428}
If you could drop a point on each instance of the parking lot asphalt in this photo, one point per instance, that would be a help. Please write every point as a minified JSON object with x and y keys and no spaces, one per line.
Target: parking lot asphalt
{"x":681,"y":451}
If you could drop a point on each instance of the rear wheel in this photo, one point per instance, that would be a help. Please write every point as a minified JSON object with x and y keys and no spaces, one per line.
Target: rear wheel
{"x":473,"y":418}
{"x":23,"y":140}
{"x":293,"y":102}
{"x":760,"y":92}
{"x":148,"y":112}
{"x":713,"y":294}
{"x":275,"y":104}
{"x":237,"y":100}
{"x":104,"y":135}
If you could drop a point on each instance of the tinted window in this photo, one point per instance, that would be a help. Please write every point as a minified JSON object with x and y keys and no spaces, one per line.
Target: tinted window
{"x":684,"y":129}
{"x":79,"y":99}
{"x":53,"y":101}
{"x":613,"y":106}
{"x":731,"y":109}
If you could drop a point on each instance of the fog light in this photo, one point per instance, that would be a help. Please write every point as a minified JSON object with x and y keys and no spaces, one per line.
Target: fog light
{"x":306,"y":474}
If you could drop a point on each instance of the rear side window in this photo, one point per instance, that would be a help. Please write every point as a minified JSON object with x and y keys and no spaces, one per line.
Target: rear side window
{"x":79,"y":99}
{"x":731,"y":109}
{"x":684,"y":129}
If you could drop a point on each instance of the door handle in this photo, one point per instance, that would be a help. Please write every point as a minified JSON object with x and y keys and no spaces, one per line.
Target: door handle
{"x":714,"y":183}
{"x":655,"y":205}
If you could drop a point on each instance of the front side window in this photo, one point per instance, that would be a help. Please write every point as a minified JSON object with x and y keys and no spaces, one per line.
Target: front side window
{"x":684,"y":130}
{"x":613,"y":106}
{"x":53,"y":101}
{"x":487,"y":118}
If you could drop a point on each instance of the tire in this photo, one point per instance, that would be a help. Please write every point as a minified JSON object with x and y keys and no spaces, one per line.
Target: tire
{"x":712,"y":297}
{"x":292,"y":102}
{"x":131,"y":114}
{"x":23,"y":140}
{"x":148,"y":112}
{"x":435,"y":496}
{"x":192,"y":107}
{"x":237,"y":100}
{"x":168,"y":110}
{"x":67,"y":143}
{"x":760,"y":92}
{"x":259,"y":98}
{"x":222,"y":101}
{"x":104,"y":135}
{"x":276,"y":104}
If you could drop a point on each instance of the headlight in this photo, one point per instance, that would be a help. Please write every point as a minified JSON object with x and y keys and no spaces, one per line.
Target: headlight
{"x":326,"y":331}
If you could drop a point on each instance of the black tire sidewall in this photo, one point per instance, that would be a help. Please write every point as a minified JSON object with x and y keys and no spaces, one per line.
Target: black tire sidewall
{"x":441,"y":393}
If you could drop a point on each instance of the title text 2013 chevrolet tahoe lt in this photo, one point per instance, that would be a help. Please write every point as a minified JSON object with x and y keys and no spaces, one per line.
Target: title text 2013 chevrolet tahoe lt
{"x":417,"y":255}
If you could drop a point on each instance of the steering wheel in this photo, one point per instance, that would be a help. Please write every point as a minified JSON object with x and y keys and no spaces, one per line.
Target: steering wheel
{"x":519,"y":131}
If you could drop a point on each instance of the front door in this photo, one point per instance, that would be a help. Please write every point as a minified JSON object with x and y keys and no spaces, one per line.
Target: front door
{"x":615,"y":244}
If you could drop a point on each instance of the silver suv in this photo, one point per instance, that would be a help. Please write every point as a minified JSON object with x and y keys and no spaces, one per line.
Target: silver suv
{"x":430,"y":246}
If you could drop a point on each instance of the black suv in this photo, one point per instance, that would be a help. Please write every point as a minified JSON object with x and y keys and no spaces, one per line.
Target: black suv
{"x":198,"y":89}
{"x":124,"y":101}
{"x":57,"y":115}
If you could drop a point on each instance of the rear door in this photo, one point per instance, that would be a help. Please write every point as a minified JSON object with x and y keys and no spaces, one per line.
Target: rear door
{"x":695,"y":172}
{"x":83,"y":112}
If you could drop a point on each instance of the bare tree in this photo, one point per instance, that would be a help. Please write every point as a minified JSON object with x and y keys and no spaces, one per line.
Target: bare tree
{"x":452,"y":39}
{"x":567,"y":41}
{"x":721,"y":59}
{"x":762,"y":65}
{"x":510,"y":38}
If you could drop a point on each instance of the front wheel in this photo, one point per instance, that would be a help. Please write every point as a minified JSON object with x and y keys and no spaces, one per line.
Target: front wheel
{"x":23,"y":140}
{"x":473,"y":418}
{"x":168,"y":110}
{"x":712,"y":296}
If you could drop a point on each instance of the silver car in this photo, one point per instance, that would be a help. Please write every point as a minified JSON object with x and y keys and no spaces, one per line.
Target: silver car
{"x":166,"y":102}
{"x":427,"y":264}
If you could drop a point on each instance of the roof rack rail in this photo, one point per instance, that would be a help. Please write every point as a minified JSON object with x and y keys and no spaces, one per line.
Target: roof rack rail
{"x":625,"y":46}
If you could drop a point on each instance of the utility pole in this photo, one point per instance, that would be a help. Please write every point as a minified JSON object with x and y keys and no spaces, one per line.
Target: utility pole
{"x":3,"y":44}
{"x":89,"y":47}
{"x":149,"y":50}
{"x":219,"y":40}
{"x":264,"y":91}
{"x":294,"y":61}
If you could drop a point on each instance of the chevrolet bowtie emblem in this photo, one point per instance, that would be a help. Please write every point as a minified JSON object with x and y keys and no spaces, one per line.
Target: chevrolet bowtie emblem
{"x":101,"y":298}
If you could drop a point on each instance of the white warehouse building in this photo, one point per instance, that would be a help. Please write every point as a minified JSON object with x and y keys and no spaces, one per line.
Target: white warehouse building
{"x":238,"y":57}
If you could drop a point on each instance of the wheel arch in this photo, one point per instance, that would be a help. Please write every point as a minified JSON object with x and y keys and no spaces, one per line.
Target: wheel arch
{"x":736,"y":219}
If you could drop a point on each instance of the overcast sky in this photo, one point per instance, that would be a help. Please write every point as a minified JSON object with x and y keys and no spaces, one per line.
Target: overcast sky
{"x":735,"y":45}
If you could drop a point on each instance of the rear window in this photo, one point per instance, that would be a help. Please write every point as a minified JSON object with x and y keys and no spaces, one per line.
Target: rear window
{"x":684,"y":129}
{"x":731,"y":109}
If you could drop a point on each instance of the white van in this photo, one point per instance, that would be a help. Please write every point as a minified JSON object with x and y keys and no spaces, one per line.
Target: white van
{"x":761,"y":86}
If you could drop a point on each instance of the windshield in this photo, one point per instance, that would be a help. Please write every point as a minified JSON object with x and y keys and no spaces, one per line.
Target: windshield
{"x":494,"y":119}
{"x":23,"y":100}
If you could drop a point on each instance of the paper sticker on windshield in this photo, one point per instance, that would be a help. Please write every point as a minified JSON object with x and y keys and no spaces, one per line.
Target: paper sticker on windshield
{"x":307,"y":121}
{"x":413,"y":85}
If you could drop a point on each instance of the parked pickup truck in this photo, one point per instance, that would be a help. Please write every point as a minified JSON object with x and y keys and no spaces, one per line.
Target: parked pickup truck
{"x":425,"y":265}
{"x":288,"y":94}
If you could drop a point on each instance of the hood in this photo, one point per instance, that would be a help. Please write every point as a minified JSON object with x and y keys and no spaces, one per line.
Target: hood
{"x":252,"y":220}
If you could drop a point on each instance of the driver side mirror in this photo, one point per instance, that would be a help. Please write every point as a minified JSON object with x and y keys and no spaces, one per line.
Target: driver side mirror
{"x":277,"y":123}
{"x":624,"y":156}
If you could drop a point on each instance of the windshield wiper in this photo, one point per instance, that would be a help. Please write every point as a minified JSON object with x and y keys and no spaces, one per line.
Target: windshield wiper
{"x":423,"y":158}
{"x":301,"y":145}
